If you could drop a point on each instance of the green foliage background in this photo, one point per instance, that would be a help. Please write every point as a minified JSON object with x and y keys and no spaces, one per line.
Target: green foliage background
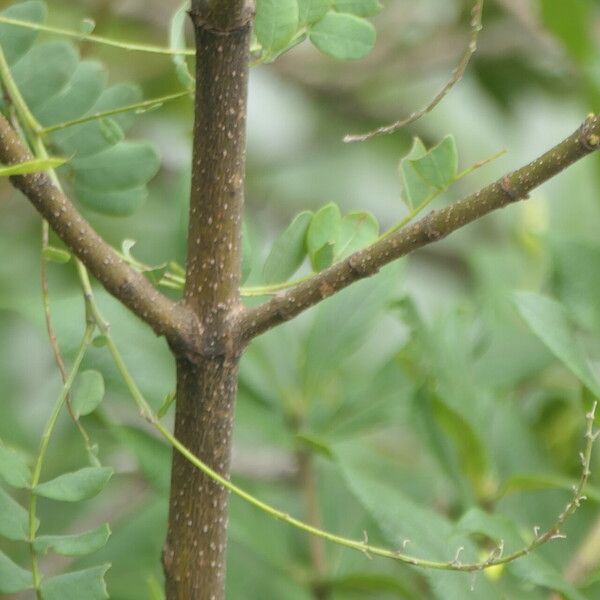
{"x":439,"y":406}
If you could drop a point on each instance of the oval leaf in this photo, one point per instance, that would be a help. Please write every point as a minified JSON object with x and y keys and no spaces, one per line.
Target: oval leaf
{"x":358,"y":229}
{"x":323,"y":234}
{"x":16,"y":40}
{"x":44,"y":71}
{"x":343,"y":36}
{"x":89,"y":138}
{"x":13,"y":468}
{"x":88,"y":393}
{"x":276,"y":23}
{"x":13,"y":519}
{"x":75,"y":99}
{"x":289,"y":250}
{"x":73,"y":487}
{"x":13,"y":578}
{"x":126,"y":166}
{"x":361,"y":8}
{"x":114,"y":204}
{"x":311,"y":11}
{"x":81,"y":585}
{"x":439,"y":166}
{"x":79,"y":544}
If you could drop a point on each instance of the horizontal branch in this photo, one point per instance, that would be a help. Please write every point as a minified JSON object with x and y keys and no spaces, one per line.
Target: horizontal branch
{"x":431,"y":228}
{"x":165,"y":316}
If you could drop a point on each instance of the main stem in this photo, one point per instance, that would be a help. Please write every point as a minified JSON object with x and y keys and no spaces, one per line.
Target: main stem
{"x":194,"y":553}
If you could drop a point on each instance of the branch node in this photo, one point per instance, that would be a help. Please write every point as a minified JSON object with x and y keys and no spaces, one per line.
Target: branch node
{"x":456,"y":560}
{"x":431,"y":229}
{"x":364,"y":549}
{"x":507,"y":187}
{"x":361,"y":266}
{"x":588,"y":140}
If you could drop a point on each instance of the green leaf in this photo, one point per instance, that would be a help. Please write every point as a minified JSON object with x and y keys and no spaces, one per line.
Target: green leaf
{"x":372,"y":479}
{"x":311,"y":11}
{"x":289,"y":250}
{"x":467,"y":457}
{"x":550,"y":322}
{"x":323,"y":258}
{"x":358,"y":229}
{"x":44,"y":71}
{"x":32,"y":166}
{"x":80,"y":585}
{"x":78,"y":544}
{"x":15,"y":40}
{"x":276,"y":23}
{"x":87,"y":393}
{"x":577,"y":279}
{"x":76,"y":98}
{"x":439,"y":166}
{"x":336,"y":332}
{"x":14,"y":520}
{"x":13,"y":578}
{"x":57,"y":255}
{"x":78,"y":485}
{"x":343,"y":36}
{"x":114,"y":204}
{"x":126,"y":166}
{"x":322,"y":235}
{"x":415,"y":188}
{"x":361,"y":8}
{"x":13,"y":468}
{"x":89,"y":138}
{"x":177,"y":42}
{"x":314,"y":444}
{"x":369,"y":584}
{"x":535,"y":481}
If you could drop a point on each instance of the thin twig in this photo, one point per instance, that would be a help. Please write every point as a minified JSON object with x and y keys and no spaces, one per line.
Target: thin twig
{"x":144,"y":105}
{"x":496,"y":558}
{"x":457,"y":75}
{"x":45,"y":440}
{"x":88,"y":37}
{"x":431,"y":228}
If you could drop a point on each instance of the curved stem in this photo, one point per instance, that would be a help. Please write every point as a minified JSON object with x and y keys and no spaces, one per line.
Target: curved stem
{"x":457,"y":75}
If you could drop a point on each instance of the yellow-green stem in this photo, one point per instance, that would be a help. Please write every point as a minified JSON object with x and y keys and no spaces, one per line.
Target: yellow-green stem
{"x":45,"y":440}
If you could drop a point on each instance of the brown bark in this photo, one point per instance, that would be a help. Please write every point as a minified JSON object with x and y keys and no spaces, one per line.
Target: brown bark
{"x":431,"y":228}
{"x":194,"y":554}
{"x":165,"y":316}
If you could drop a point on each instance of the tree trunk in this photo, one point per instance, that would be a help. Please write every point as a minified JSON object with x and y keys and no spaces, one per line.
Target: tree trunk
{"x":194,"y":554}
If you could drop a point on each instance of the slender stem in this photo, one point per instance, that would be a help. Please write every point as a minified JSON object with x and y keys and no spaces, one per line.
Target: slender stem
{"x":88,"y":37}
{"x":495,"y":559}
{"x":23,"y":113}
{"x":137,"y":106}
{"x":457,"y":75}
{"x":58,"y":358}
{"x":33,"y":130}
{"x":45,"y":440}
